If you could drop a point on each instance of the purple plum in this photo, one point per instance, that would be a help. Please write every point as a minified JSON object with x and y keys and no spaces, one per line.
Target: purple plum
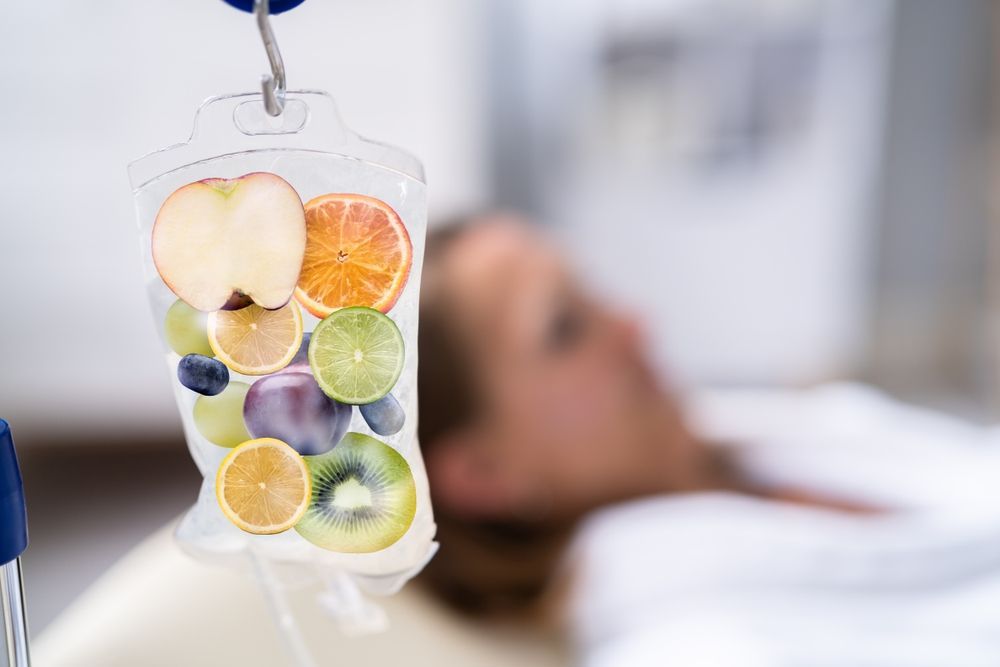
{"x":291,"y":407}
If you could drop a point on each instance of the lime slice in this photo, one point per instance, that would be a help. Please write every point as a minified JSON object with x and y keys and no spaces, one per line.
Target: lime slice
{"x":356,"y":355}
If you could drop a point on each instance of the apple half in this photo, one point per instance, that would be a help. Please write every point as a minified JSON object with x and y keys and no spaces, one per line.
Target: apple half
{"x":221,"y":242}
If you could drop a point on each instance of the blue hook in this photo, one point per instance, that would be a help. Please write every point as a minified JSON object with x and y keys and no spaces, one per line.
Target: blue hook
{"x":277,"y":6}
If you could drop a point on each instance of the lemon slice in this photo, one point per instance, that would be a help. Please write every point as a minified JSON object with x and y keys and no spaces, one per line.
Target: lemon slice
{"x":254,"y":340}
{"x":356,"y":355}
{"x":263,"y":486}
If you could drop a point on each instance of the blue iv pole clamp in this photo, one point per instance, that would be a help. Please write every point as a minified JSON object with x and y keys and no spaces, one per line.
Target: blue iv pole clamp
{"x":13,"y":542}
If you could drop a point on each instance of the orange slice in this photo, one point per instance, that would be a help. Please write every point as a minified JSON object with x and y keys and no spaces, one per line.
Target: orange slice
{"x":357,"y":254}
{"x":263,"y":486}
{"x":254,"y":340}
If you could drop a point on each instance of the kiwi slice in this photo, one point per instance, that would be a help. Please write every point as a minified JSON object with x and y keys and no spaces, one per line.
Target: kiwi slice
{"x":363,"y":496}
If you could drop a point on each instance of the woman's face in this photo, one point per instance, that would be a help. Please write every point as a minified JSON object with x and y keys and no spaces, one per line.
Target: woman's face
{"x":572,"y":414}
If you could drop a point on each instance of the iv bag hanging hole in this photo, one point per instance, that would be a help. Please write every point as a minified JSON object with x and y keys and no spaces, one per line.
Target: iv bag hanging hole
{"x":252,"y":117}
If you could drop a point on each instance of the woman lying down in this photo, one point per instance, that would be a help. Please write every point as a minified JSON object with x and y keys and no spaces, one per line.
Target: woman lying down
{"x":825,"y":527}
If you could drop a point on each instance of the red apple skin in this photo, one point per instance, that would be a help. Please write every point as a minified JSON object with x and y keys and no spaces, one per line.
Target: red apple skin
{"x":255,"y":259}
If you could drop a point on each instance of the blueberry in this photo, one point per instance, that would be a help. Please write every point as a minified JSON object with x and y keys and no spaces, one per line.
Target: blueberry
{"x":385,"y":416}
{"x":203,"y":374}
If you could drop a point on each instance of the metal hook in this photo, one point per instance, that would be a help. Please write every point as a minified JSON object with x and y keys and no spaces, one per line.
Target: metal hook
{"x":272,"y":85}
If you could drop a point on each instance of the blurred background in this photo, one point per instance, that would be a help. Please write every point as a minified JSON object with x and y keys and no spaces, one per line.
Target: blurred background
{"x":791,"y":191}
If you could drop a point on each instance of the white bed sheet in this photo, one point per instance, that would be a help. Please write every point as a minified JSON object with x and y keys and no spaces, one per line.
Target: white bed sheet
{"x":723,"y":580}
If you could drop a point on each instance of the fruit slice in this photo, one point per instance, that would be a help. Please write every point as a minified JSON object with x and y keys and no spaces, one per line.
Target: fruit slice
{"x":217,"y":239}
{"x":255,"y":341}
{"x":357,"y":254}
{"x":263,"y":486}
{"x":356,"y":355}
{"x":220,"y":418}
{"x":363,"y":497}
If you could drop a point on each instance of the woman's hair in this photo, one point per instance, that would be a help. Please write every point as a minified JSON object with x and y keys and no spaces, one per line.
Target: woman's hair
{"x":482,"y":567}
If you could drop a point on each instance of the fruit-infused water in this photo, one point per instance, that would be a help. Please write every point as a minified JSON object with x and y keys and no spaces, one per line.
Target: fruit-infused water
{"x":284,"y":281}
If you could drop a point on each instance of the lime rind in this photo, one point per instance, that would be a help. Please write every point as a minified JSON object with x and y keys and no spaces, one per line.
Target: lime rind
{"x":356,"y":355}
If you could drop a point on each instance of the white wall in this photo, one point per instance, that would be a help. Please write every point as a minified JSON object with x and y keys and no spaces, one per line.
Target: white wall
{"x":89,"y":86}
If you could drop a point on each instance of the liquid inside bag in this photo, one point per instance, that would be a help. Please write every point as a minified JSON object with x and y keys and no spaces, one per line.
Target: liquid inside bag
{"x":216,"y":215}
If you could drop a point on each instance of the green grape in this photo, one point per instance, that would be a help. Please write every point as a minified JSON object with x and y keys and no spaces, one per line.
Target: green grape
{"x":220,"y":418}
{"x":186,"y":330}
